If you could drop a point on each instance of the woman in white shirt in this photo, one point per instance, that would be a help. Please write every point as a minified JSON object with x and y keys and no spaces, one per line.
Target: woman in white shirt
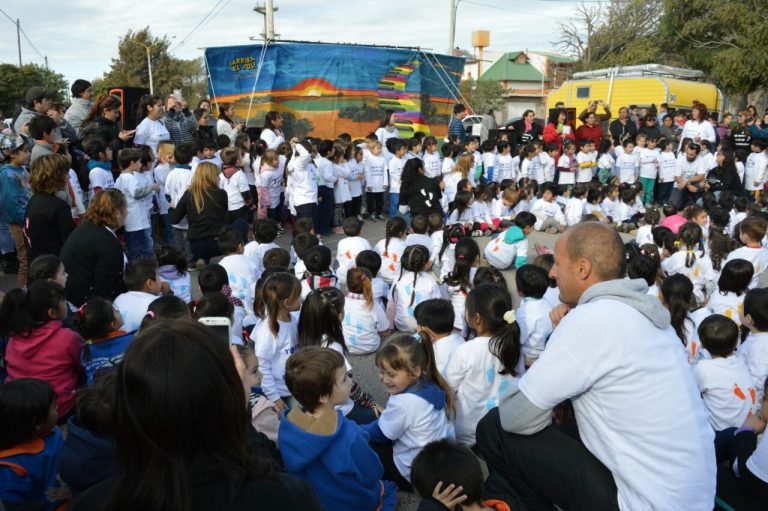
{"x":698,"y":128}
{"x":272,"y":134}
{"x":151,"y":131}
{"x":225,"y":125}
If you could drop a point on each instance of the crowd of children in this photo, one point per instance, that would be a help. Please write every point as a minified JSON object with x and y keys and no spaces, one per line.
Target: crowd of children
{"x":429,"y":305}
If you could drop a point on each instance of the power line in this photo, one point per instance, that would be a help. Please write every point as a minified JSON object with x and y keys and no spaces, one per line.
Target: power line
{"x":207,"y":17}
{"x":30,"y":43}
{"x":480,"y":4}
{"x":9,"y":18}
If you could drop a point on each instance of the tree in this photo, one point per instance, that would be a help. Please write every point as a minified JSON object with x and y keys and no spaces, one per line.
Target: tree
{"x":15,"y":80}
{"x":575,"y":35}
{"x":482,"y":95}
{"x":130,"y":69}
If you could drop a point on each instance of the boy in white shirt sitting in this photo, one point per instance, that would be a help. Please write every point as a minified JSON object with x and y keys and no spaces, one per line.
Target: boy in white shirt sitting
{"x":240,"y":268}
{"x":265,"y":232}
{"x":754,"y":350}
{"x":724,"y":380}
{"x":143,"y":282}
{"x":435,"y":317}
{"x":550,"y":218}
{"x":752,"y":230}
{"x":533,"y":314}
{"x":353,"y":244}
{"x":574,"y":207}
{"x":418,"y":235}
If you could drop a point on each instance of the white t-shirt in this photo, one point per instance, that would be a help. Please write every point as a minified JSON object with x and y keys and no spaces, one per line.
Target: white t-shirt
{"x":419,"y":239}
{"x":758,"y":461}
{"x":432,"y":165}
{"x":160,"y":174}
{"x":700,"y":273}
{"x":395,"y":169}
{"x":650,"y":159}
{"x":255,"y":251}
{"x":544,"y":209}
{"x":176,"y":184}
{"x":755,"y":171}
{"x":728,"y":304}
{"x":502,"y":168}
{"x":644,"y":235}
{"x":235,"y":187}
{"x":411,"y":422}
{"x":150,"y":133}
{"x":346,"y":253}
{"x":99,"y":178}
{"x":689,"y":169}
{"x":242,"y":278}
{"x":574,"y":210}
{"x":303,"y":176}
{"x":390,"y":258}
{"x":566,"y":176}
{"x":626,"y":167}
{"x":272,"y":352}
{"x":535,"y":326}
{"x":501,"y":254}
{"x":611,"y":208}
{"x":758,"y":256}
{"x":133,"y":307}
{"x":587,"y":166}
{"x":181,"y":287}
{"x":376,"y":173}
{"x":362,"y":325}
{"x":356,"y":169}
{"x":444,"y":348}
{"x":272,"y":138}
{"x":754,"y":352}
{"x":547,"y":166}
{"x":668,"y":163}
{"x":380,"y":289}
{"x":637,"y":405}
{"x":135,"y":190}
{"x":338,"y":348}
{"x":727,"y":389}
{"x":474,"y":374}
{"x":271,"y":180}
{"x":404,"y":296}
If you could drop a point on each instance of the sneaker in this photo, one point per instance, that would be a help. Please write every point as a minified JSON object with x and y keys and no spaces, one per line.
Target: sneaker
{"x":373,"y":218}
{"x":381,"y":218}
{"x":477,"y":233}
{"x":360,"y":217}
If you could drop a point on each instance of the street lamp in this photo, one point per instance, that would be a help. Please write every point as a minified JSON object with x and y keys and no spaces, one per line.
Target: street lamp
{"x":149,"y":60}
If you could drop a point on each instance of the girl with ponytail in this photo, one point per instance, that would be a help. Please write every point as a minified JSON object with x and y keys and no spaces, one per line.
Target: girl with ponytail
{"x":691,"y":260}
{"x":481,"y":370}
{"x":677,"y":295}
{"x":365,"y":320}
{"x":459,"y":280}
{"x":276,"y":336}
{"x":412,"y":287}
{"x":419,"y":409}
{"x":391,"y":248}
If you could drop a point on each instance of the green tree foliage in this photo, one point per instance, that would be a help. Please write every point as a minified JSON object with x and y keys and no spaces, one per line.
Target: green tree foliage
{"x":130,"y":68}
{"x":15,"y":80}
{"x":482,"y":95}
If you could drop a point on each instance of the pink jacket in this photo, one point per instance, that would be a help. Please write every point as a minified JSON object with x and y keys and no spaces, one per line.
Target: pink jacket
{"x":50,"y":353}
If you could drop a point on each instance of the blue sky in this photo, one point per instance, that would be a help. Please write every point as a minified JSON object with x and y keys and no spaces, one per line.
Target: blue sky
{"x":80,"y":40}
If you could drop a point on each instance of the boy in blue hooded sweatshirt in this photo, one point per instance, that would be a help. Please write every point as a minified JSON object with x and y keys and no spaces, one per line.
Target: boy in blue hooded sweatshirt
{"x":511,"y":246}
{"x":318,"y":444}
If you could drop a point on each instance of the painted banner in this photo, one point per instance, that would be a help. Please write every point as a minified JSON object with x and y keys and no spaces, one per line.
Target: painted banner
{"x":324,"y":90}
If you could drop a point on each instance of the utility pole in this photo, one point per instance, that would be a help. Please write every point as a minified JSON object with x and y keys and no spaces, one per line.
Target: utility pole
{"x":18,"y":38}
{"x":46,"y":62}
{"x":149,"y":61}
{"x":452,"y":28}
{"x":268,"y":10}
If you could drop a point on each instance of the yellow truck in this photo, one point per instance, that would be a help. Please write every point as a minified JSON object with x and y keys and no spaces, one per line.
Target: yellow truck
{"x":638,"y":85}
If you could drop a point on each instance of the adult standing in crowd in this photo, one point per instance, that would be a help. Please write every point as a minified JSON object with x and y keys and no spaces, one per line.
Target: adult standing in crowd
{"x":526,"y":129}
{"x":590,"y":130}
{"x":739,"y":137}
{"x":176,"y":122}
{"x":650,"y":127}
{"x":38,"y":102}
{"x":48,"y":220}
{"x":622,"y":126}
{"x":698,"y":128}
{"x":456,"y":127}
{"x":82,"y":92}
{"x":206,"y":131}
{"x":151,"y":130}
{"x":638,"y":409}
{"x":92,"y":254}
{"x":226,"y":125}
{"x":272,"y":134}
{"x":204,"y":204}
{"x":556,"y":131}
{"x":592,"y":109}
{"x":487,"y":125}
{"x":183,"y":431}
{"x":101,"y":122}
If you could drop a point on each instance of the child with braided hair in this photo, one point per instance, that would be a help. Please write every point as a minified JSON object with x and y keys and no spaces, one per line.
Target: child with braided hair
{"x":691,"y":260}
{"x":365,"y":320}
{"x":391,"y":248}
{"x":413,"y":286}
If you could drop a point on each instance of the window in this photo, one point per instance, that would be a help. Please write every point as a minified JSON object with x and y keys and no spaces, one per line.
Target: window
{"x":583,"y":92}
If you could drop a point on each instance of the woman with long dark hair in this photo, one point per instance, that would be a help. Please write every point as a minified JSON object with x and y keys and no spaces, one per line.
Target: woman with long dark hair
{"x":151,"y":130}
{"x":226,"y":124}
{"x":102,"y":122}
{"x":272,"y":134}
{"x":182,"y":429}
{"x":556,"y":131}
{"x":419,"y":194}
{"x":526,"y":130}
{"x":724,"y":176}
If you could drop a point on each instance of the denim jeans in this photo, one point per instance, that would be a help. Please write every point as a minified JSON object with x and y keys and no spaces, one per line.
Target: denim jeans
{"x":325,"y":211}
{"x":169,"y":237}
{"x":394,"y":198}
{"x":139,"y":243}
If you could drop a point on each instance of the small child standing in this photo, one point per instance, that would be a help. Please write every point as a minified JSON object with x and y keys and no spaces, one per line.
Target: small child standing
{"x":318,"y":444}
{"x":413,"y":286}
{"x":587,"y":162}
{"x":567,"y":165}
{"x":435,"y":318}
{"x":30,"y":443}
{"x":241,"y":271}
{"x":276,"y":337}
{"x":138,"y":231}
{"x":319,"y":274}
{"x":159,"y":175}
{"x":375,"y":180}
{"x":502,"y":165}
{"x":754,"y":350}
{"x":142,"y":279}
{"x":732,"y":286}
{"x":752,"y":230}
{"x":548,"y":159}
{"x":37,"y":344}
{"x":365,"y":320}
{"x":533,"y":314}
{"x":355,"y":180}
{"x":269,"y":184}
{"x":606,"y":163}
{"x":650,"y":164}
{"x":395,"y":170}
{"x":482,"y":369}
{"x":626,"y":163}
{"x":99,"y":167}
{"x":511,"y":246}
{"x":432,"y":165}
{"x":418,"y":408}
{"x":724,"y":380}
{"x":350,"y":246}
{"x":667,"y":167}
{"x":15,"y":193}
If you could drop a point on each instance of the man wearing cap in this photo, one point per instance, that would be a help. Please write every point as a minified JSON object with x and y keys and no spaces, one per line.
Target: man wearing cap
{"x":39,"y":100}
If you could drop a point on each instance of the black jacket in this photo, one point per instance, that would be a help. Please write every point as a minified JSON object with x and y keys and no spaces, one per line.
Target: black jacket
{"x":208,"y":222}
{"x":47,"y":224}
{"x":618,"y":130}
{"x":721,"y":179}
{"x":522,"y":138}
{"x":94,"y":260}
{"x":426,"y":197}
{"x":108,"y":131}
